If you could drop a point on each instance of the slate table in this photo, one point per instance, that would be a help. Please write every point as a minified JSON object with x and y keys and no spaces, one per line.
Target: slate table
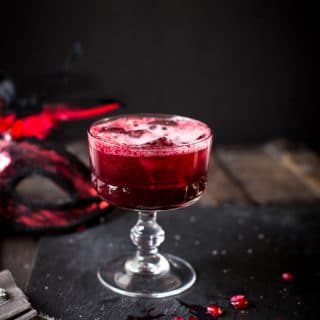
{"x":234,"y":251}
{"x":273,"y":188}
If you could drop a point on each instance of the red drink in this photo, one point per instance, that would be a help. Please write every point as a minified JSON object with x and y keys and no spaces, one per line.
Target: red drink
{"x":149,"y":161}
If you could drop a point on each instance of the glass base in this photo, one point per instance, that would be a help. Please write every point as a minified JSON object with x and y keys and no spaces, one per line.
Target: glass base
{"x":180,"y":277}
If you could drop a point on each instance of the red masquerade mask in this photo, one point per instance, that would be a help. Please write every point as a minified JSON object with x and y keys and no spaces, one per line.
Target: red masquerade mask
{"x":19,"y":160}
{"x":23,"y":126}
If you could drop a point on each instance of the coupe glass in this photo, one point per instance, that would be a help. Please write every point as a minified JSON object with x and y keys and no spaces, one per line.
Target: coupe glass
{"x":148,"y":176}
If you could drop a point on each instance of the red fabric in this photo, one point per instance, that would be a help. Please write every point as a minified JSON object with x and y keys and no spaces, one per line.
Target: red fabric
{"x":6,"y":122}
{"x":63,"y":113}
{"x":39,"y":125}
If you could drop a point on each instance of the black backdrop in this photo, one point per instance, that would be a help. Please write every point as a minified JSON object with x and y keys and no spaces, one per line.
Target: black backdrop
{"x":242,"y":66}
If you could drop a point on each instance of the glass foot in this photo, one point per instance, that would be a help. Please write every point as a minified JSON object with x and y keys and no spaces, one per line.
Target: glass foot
{"x":116,"y":277}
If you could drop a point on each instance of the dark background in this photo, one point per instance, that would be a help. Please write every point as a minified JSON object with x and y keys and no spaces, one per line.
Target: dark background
{"x":245,"y":67}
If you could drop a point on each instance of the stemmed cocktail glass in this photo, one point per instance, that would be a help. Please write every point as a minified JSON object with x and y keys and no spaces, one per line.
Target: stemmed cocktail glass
{"x":149,"y":163}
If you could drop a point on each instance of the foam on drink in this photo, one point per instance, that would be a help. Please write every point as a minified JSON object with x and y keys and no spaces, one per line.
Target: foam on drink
{"x":133,"y":135}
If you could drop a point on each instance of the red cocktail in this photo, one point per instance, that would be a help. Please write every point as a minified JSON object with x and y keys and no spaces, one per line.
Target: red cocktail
{"x":149,"y":163}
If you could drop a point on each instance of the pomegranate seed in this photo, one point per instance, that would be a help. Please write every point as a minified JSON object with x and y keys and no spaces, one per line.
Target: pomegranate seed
{"x":178,"y":318}
{"x":193,"y":318}
{"x":287,"y":276}
{"x":214,"y":310}
{"x":239,"y":301}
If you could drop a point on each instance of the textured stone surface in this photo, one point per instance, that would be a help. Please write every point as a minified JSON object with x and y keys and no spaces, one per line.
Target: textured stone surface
{"x":234,"y":250}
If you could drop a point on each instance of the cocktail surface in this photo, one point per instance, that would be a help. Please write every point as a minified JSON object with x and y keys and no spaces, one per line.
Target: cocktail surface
{"x":149,"y":162}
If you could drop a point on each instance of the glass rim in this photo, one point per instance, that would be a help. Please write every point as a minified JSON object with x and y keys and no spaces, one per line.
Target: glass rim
{"x":162,"y":115}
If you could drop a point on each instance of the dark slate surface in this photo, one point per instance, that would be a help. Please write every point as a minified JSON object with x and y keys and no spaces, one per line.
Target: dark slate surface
{"x":234,"y":250}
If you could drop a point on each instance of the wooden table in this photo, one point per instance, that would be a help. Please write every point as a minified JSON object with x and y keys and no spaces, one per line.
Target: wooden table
{"x":276,"y":173}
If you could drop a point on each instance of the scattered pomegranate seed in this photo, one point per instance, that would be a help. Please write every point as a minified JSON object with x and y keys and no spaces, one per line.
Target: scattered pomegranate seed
{"x":193,"y":318}
{"x":214,"y":310}
{"x":239,"y":301}
{"x":287,"y":276}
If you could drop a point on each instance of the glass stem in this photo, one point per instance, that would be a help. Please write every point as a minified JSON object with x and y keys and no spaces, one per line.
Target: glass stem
{"x":147,"y":235}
